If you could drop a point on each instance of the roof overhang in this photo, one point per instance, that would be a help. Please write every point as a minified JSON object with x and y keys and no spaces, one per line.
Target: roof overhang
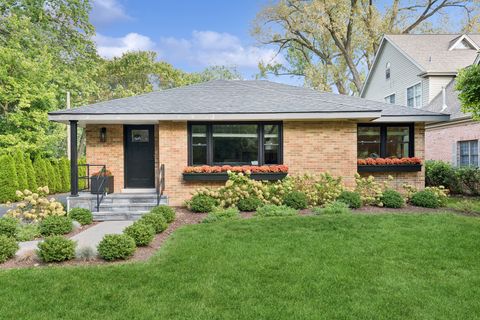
{"x":428,"y":74}
{"x":419,"y":118}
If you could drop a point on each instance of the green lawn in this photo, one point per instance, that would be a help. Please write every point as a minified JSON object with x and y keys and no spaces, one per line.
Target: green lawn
{"x":466,"y":204}
{"x":328,"y":267}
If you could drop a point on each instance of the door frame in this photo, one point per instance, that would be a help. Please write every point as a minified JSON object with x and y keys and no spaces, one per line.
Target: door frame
{"x":125,"y":166}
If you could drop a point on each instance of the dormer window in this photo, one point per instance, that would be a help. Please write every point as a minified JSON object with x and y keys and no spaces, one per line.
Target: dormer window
{"x":387,"y":71}
{"x":463,"y":42}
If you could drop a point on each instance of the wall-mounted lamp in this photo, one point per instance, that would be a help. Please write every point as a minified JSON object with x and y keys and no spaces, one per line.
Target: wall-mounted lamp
{"x":103,"y":134}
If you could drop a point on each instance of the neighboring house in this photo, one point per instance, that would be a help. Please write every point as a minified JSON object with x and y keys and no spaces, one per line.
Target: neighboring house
{"x":243,"y":123}
{"x":419,"y":71}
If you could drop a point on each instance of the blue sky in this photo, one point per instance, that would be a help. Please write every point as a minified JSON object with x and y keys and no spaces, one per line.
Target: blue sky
{"x":189,"y":34}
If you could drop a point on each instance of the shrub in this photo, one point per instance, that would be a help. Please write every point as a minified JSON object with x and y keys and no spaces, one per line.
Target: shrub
{"x":249,"y":204}
{"x":116,"y":246}
{"x":141,"y":232}
{"x":392,"y":199}
{"x":8,"y":247}
{"x":51,"y":178}
{"x":41,"y":173}
{"x":21,"y":170}
{"x":36,"y":206}
{"x":319,"y":189}
{"x":57,"y":179}
{"x":56,"y":225}
{"x":336,"y":207}
{"x":27,"y":231}
{"x":296,"y":200}
{"x":85,"y":253}
{"x":222,"y":214}
{"x":201,"y":203}
{"x":56,"y":248}
{"x":8,"y":179}
{"x":82,"y":172}
{"x":157,"y":221}
{"x":8,"y":226}
{"x":426,"y":198}
{"x":350,"y":198}
{"x":65,"y":174}
{"x":370,"y":191}
{"x":31,"y":177}
{"x":439,"y":173}
{"x":468,"y":180}
{"x":441,"y":193}
{"x":167,"y":212}
{"x":271,"y":210}
{"x":83,"y":216}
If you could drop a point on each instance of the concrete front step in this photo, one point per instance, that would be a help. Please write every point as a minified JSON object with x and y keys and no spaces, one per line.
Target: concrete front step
{"x":118,"y":215}
{"x":127,"y":206}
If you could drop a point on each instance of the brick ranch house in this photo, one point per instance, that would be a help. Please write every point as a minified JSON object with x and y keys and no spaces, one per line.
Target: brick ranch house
{"x":243,"y":123}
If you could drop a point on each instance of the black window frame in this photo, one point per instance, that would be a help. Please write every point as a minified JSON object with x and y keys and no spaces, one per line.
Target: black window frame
{"x":260,"y":137}
{"x":459,"y":153}
{"x":383,"y":136}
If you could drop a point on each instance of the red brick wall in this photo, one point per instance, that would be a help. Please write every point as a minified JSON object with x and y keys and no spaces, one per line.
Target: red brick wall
{"x":441,"y":141}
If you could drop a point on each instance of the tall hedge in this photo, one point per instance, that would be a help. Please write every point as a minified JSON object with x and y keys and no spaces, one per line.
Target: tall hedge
{"x":41,"y":173}
{"x":19,"y":159}
{"x":58,"y":176}
{"x":52,"y":184}
{"x":31,"y":177}
{"x":82,"y":172}
{"x":65,"y":174}
{"x":8,"y":179}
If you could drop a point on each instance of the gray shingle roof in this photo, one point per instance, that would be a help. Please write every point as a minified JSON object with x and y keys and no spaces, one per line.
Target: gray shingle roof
{"x":430,"y":51}
{"x":240,"y":97}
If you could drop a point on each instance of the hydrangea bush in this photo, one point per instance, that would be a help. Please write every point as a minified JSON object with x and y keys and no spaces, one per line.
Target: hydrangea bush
{"x":35,"y":206}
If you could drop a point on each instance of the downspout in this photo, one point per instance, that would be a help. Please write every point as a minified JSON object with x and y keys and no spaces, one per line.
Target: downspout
{"x":444,"y":100}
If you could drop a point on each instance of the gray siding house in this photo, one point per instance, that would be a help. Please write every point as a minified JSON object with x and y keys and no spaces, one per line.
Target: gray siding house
{"x":419,"y":71}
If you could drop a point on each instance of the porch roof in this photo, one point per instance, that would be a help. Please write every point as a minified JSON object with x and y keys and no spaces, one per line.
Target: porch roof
{"x":241,"y":100}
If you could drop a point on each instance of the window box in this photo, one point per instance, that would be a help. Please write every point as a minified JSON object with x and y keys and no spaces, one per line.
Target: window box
{"x":95,"y":183}
{"x":223,"y":176}
{"x":390,"y":168}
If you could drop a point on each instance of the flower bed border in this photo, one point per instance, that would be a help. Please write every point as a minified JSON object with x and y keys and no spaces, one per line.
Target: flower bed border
{"x":390,"y":168}
{"x":223,"y":176}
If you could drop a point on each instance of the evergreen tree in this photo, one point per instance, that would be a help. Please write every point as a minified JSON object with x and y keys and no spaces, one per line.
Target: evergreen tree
{"x":21,"y":170}
{"x":82,"y":172}
{"x":40,"y":172}
{"x":50,"y":176}
{"x":65,"y":174}
{"x":31,"y":177}
{"x":8,"y":179}
{"x":57,"y":176}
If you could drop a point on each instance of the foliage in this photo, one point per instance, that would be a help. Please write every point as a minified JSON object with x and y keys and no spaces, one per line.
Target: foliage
{"x":439,"y":173}
{"x":237,"y":169}
{"x":64,"y":164}
{"x":370,"y":191}
{"x":271,"y":210}
{"x":31,"y":176}
{"x":296,"y":200}
{"x":8,"y":247}
{"x":320,"y":189}
{"x":27,"y":231}
{"x":52,"y":182}
{"x":333,"y":43}
{"x":221,"y":214}
{"x":468,"y":180}
{"x":167,"y":212}
{"x":56,"y":225}
{"x":388,"y":161}
{"x":201,"y":203}
{"x":468,"y":85}
{"x":336,"y":207}
{"x":41,"y":173}
{"x":8,"y":226}
{"x":56,"y":248}
{"x":57,"y":177}
{"x":21,"y":170}
{"x":249,"y":204}
{"x":426,"y":199}
{"x":82,"y":215}
{"x":350,"y":198}
{"x":82,"y":172}
{"x":465,"y":206}
{"x":141,"y":232}
{"x":8,"y":179}
{"x":392,"y":199}
{"x":441,"y":193}
{"x":86,"y":253}
{"x":116,"y":246}
{"x":157,"y":221}
{"x":36,"y":206}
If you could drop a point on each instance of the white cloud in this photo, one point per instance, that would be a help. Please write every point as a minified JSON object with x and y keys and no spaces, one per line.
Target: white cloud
{"x":110,"y":47}
{"x":107,"y":11}
{"x":206,"y":48}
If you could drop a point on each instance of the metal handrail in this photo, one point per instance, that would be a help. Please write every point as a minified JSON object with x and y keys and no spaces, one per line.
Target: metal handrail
{"x":101,"y":187}
{"x":87,"y":177}
{"x":161,"y":183}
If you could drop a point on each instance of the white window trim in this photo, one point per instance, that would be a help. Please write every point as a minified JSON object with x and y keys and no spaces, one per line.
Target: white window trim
{"x":421,"y":95}
{"x":389,"y":95}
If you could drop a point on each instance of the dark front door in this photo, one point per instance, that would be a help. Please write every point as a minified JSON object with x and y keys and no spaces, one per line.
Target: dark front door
{"x":139,"y":156}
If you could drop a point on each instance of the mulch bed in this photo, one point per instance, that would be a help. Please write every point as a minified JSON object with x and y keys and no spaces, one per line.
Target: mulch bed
{"x":186,"y":217}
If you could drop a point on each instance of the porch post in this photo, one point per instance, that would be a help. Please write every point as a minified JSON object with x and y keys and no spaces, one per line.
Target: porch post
{"x":74,"y":159}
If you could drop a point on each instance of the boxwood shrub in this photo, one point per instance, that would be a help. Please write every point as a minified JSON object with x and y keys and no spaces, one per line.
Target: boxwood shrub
{"x":296,"y":200}
{"x":350,"y":198}
{"x":392,"y":199}
{"x":222,"y":214}
{"x":426,"y":199}
{"x":56,"y":225}
{"x":83,"y":216}
{"x":201,"y":203}
{"x":141,"y":232}
{"x":271,"y":210}
{"x":8,"y":247}
{"x":8,"y":226}
{"x":56,"y":248}
{"x":157,"y":221}
{"x":116,"y":246}
{"x":167,"y":212}
{"x":249,"y":204}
